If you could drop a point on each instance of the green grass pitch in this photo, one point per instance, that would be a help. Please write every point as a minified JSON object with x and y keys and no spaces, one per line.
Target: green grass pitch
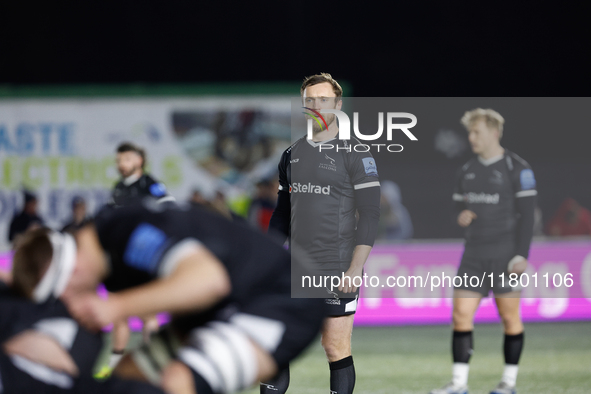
{"x":556,"y":359}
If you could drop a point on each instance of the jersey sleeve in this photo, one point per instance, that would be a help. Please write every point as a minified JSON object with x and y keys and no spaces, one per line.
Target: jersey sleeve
{"x":282,"y":167}
{"x":524,"y":181}
{"x":458,"y":193}
{"x":524,"y":187}
{"x":158,"y":190}
{"x":363,"y":170}
{"x":138,"y":240}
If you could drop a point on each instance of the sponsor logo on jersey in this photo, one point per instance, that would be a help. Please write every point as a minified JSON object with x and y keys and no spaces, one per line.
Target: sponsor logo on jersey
{"x":332,"y":301}
{"x":526,"y":177}
{"x":470,"y":176}
{"x":294,"y":161}
{"x":482,"y":198}
{"x":309,"y":188}
{"x":370,"y":166}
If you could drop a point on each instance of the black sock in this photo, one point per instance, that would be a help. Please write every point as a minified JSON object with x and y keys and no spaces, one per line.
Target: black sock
{"x":277,"y":385}
{"x":342,"y":376}
{"x":513,"y":346}
{"x":462,"y":346}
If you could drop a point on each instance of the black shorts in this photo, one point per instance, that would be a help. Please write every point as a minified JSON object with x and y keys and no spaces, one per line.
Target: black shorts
{"x":339,"y":303}
{"x":472,"y":266}
{"x":221,"y":352}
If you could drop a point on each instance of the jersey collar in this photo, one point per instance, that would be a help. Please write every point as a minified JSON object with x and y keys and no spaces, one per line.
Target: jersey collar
{"x":492,"y":160}
{"x":317,"y":144}
{"x":131,"y":179}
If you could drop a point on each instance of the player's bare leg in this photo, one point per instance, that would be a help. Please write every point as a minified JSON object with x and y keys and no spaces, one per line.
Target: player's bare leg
{"x":508,"y":306}
{"x":465,"y":305}
{"x":336,"y":341}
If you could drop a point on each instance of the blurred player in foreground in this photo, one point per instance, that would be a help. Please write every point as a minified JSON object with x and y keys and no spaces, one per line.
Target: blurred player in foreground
{"x":319,"y":196}
{"x":44,"y":350}
{"x":134,"y":184}
{"x":495,"y":196}
{"x":227,"y":287}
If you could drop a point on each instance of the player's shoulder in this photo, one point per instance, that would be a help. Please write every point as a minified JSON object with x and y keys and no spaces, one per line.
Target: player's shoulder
{"x":293,"y":146}
{"x":515,"y":162}
{"x":466,"y":166}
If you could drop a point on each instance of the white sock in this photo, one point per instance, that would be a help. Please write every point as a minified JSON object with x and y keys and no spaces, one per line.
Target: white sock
{"x":460,"y":374}
{"x":510,"y":374}
{"x":114,"y":359}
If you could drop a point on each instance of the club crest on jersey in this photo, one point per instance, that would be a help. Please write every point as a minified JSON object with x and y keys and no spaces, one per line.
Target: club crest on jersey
{"x":328,"y":166}
{"x":370,"y":167}
{"x":496,"y":178}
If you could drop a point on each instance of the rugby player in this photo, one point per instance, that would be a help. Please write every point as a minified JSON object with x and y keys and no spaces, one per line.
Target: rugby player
{"x":227,"y":287}
{"x":319,"y":196}
{"x":43,"y":349}
{"x":134,"y":183}
{"x":495,"y":195}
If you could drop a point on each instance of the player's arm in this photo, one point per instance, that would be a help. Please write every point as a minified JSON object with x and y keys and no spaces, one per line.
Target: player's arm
{"x":196,"y":281}
{"x":464,"y":216}
{"x":366,"y":185}
{"x":42,"y":349}
{"x":280,"y":220}
{"x":525,"y":205}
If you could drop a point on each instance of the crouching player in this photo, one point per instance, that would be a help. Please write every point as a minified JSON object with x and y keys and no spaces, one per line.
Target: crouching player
{"x":227,"y":287}
{"x":43,"y":349}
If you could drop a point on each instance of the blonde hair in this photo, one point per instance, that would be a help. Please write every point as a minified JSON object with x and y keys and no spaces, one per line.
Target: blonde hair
{"x":492,"y":118}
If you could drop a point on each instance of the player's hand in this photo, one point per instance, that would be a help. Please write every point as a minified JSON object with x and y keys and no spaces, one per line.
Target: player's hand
{"x":465,"y":217}
{"x":93,"y":312}
{"x":352,"y":273}
{"x":517,"y":265}
{"x":150,"y":326}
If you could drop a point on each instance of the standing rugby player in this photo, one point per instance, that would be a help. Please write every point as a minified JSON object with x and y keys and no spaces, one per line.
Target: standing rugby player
{"x":495,"y":196}
{"x":320,"y":192}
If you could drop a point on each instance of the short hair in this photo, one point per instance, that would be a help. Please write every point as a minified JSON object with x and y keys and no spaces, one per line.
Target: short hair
{"x":321,"y":78}
{"x":129,"y":147}
{"x":31,"y":259}
{"x":492,"y":118}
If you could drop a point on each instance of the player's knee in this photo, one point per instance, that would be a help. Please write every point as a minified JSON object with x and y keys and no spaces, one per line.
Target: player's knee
{"x":462,"y":318}
{"x":511,"y":320}
{"x":178,"y":379}
{"x":336,"y":349}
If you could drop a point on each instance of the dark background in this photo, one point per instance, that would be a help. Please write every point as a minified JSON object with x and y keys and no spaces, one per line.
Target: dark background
{"x":386,"y":49}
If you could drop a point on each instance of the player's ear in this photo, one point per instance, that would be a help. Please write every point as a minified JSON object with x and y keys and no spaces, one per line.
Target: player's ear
{"x":339,"y":103}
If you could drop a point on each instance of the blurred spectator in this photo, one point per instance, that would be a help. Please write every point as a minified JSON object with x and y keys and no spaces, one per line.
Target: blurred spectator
{"x":262,"y":206}
{"x":26,"y":219}
{"x":395,"y":222}
{"x":78,"y":214}
{"x":570,"y":219}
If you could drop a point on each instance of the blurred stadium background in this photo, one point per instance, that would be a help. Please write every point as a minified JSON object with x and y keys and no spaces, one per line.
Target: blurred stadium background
{"x":213,"y":116}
